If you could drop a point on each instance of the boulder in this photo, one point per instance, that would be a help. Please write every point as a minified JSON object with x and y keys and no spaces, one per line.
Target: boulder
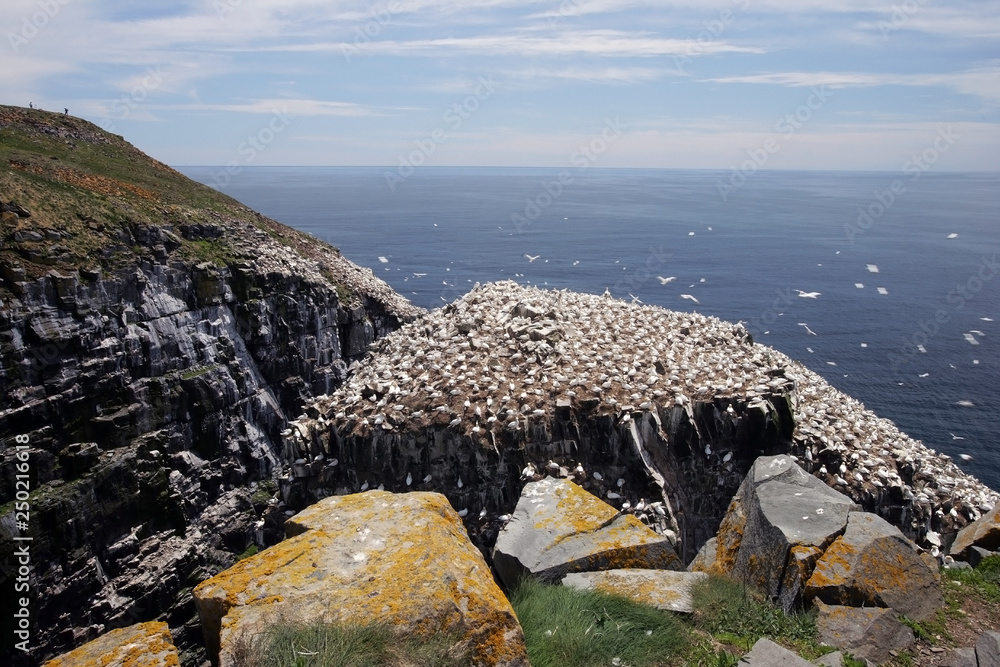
{"x":558,"y":527}
{"x":765,"y":653}
{"x":777,"y":526}
{"x":988,"y":649}
{"x":959,"y":657}
{"x":867,"y":633}
{"x":142,"y":645}
{"x":404,"y":560}
{"x":665,"y":589}
{"x":873,"y":564}
{"x":833,"y":659}
{"x":983,"y":532}
{"x":705,"y":558}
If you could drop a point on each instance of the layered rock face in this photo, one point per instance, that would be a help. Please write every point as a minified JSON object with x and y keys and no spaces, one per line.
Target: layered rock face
{"x":637,"y":404}
{"x":151,"y":370}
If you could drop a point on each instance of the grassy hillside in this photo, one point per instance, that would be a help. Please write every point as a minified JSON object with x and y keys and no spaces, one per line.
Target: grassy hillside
{"x":92,"y":198}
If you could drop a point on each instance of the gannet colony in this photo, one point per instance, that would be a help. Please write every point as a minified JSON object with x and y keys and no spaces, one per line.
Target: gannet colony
{"x":504,"y":366}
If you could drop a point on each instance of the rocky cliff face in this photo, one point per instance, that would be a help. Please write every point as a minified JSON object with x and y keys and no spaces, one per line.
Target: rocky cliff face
{"x":156,"y":337}
{"x":659,"y":412}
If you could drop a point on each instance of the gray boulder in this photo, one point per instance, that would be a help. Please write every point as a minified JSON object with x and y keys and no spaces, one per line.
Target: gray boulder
{"x":705,"y":559}
{"x":557,"y":527}
{"x":777,"y":526}
{"x":873,"y":564}
{"x":665,"y":589}
{"x":988,"y":649}
{"x":959,"y":657}
{"x":867,"y":633}
{"x":765,"y":653}
{"x":832,"y":659}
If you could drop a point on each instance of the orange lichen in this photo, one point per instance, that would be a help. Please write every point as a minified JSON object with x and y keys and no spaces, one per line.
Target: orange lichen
{"x":419,"y":574}
{"x":142,"y":645}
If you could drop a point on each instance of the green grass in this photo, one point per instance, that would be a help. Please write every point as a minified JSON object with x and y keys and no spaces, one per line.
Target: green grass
{"x":320,"y":645}
{"x":956,"y":585}
{"x":983,"y":581}
{"x":565,"y":627}
{"x":737,"y":616}
{"x":250,"y":551}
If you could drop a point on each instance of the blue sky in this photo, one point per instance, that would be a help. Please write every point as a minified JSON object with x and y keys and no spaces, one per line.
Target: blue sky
{"x":794,"y":84}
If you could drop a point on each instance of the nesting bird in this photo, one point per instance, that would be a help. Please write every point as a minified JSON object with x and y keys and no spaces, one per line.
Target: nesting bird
{"x":505,"y":357}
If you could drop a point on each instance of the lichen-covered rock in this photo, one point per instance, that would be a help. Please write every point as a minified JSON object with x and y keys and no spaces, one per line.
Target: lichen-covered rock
{"x":778,"y":524}
{"x":765,"y":653}
{"x":705,"y":559}
{"x":867,"y":633}
{"x":983,"y":533}
{"x":872,"y":564}
{"x":404,"y":560}
{"x":665,"y":589}
{"x":558,"y":527}
{"x":143,"y":645}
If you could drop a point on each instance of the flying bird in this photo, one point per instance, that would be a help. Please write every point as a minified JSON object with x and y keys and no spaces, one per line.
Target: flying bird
{"x":808,"y":295}
{"x":664,"y":281}
{"x":530,"y":258}
{"x":690,"y":298}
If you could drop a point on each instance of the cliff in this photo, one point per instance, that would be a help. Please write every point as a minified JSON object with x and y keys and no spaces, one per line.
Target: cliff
{"x":155,"y":336}
{"x":659,"y":412}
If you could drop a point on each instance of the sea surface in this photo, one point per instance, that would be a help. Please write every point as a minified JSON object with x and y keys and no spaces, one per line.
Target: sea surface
{"x":924,"y":350}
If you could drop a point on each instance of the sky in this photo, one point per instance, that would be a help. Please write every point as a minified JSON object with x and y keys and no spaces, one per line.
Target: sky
{"x":734,"y":84}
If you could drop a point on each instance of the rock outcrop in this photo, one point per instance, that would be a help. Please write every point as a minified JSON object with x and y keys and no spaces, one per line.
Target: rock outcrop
{"x":983,"y":533}
{"x":778,"y":525}
{"x":558,"y":528}
{"x":677,"y":405}
{"x":873,"y":565}
{"x":143,"y":645}
{"x":867,"y":633}
{"x":404,"y":560}
{"x":798,"y":541}
{"x":155,"y":338}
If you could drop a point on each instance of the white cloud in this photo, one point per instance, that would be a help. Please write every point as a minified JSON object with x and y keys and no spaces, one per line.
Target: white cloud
{"x":983,"y":82}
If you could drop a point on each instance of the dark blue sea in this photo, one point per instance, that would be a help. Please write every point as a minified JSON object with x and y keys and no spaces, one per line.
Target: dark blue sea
{"x":924,"y":350}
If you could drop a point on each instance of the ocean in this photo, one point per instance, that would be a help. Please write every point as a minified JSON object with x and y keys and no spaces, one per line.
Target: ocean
{"x":884,"y":283}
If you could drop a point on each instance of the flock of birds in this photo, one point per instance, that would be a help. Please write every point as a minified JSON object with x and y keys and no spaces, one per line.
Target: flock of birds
{"x":502,"y":356}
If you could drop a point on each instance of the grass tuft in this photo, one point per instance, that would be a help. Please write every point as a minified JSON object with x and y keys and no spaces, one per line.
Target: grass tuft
{"x":739,"y":616}
{"x":320,"y":645}
{"x":566,"y":627}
